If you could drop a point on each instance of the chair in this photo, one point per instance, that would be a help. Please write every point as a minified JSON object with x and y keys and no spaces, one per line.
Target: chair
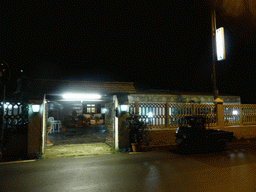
{"x":56,"y":125}
{"x":51,"y":119}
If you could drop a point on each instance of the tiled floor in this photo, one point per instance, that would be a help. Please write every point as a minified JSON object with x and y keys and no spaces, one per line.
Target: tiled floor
{"x":79,"y":135}
{"x":78,"y":142}
{"x":79,"y":150}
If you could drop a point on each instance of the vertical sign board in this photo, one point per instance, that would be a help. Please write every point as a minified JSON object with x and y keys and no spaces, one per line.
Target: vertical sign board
{"x":220,"y":44}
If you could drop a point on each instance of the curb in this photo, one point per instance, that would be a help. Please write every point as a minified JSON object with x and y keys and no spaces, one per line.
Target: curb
{"x":242,"y":143}
{"x":12,"y":162}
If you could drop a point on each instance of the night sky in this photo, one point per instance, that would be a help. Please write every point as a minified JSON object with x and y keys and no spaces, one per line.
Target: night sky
{"x":156,"y":44}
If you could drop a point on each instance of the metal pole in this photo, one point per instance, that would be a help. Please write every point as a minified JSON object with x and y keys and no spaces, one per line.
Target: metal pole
{"x":5,"y":75}
{"x":213,"y":16}
{"x":3,"y":122}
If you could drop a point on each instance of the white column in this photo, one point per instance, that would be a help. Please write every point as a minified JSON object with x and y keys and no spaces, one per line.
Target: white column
{"x":44,"y":125}
{"x":116,"y":123}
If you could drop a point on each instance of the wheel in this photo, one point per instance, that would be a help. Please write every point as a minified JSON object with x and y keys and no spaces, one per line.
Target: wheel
{"x":183,"y":148}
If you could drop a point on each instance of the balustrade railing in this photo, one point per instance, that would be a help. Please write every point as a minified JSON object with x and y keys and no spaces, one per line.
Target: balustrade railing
{"x":169,"y":115}
{"x":248,"y":114}
{"x":231,"y":114}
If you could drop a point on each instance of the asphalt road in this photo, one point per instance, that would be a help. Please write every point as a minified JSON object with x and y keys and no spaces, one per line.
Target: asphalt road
{"x":233,"y":170}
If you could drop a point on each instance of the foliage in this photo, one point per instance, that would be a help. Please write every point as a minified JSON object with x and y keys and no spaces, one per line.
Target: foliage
{"x":136,"y":129}
{"x":124,"y":150}
{"x":40,"y":155}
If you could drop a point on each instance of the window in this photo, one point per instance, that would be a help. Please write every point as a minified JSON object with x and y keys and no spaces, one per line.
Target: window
{"x":90,"y":108}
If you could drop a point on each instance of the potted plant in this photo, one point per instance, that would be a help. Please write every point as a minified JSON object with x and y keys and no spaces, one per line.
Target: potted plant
{"x":137,"y":131}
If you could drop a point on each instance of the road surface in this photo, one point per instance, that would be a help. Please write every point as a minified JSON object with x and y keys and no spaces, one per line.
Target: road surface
{"x":233,"y":170}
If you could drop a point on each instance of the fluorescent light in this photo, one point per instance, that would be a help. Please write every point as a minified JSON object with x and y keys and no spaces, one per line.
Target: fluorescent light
{"x":81,"y":97}
{"x":150,"y":114}
{"x":7,"y":105}
{"x":235,"y":112}
{"x":35,"y":108}
{"x":103,"y":110}
{"x":124,"y":107}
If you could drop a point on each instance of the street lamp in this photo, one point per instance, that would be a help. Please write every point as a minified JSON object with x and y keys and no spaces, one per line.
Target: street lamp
{"x":242,"y":9}
{"x":213,"y":18}
{"x":218,"y":48}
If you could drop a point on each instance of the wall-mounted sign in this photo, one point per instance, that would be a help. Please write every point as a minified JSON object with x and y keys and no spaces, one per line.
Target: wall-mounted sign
{"x":220,"y":44}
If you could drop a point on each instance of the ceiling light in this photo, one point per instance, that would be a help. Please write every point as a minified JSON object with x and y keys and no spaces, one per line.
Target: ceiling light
{"x":81,"y":97}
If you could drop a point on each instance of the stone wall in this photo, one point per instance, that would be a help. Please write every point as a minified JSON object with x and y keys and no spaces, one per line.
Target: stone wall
{"x":166,"y":137}
{"x":242,"y":132}
{"x":161,"y":137}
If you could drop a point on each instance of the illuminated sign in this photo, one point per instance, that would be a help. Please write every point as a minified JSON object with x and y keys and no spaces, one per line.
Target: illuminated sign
{"x":220,"y":44}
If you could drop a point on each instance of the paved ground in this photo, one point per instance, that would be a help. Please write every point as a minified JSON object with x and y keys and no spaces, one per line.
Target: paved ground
{"x":79,"y":135}
{"x":78,"y":142}
{"x":78,"y":150}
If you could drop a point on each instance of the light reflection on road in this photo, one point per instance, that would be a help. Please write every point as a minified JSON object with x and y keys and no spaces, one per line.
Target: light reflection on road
{"x":233,"y":170}
{"x":152,"y":179}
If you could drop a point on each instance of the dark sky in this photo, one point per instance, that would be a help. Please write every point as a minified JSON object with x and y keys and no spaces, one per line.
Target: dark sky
{"x":163,"y":44}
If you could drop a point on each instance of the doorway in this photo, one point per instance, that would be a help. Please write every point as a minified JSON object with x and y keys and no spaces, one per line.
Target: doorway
{"x":79,"y":123}
{"x":76,"y":122}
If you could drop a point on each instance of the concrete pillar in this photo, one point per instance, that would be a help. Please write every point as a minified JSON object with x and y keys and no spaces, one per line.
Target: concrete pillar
{"x":193,"y":109}
{"x":44,"y":124}
{"x":110,"y":122}
{"x":167,"y":119}
{"x":124,"y":140}
{"x":220,"y":113}
{"x":240,"y":114}
{"x":116,"y":122}
{"x":34,"y":135}
{"x":137,"y":112}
